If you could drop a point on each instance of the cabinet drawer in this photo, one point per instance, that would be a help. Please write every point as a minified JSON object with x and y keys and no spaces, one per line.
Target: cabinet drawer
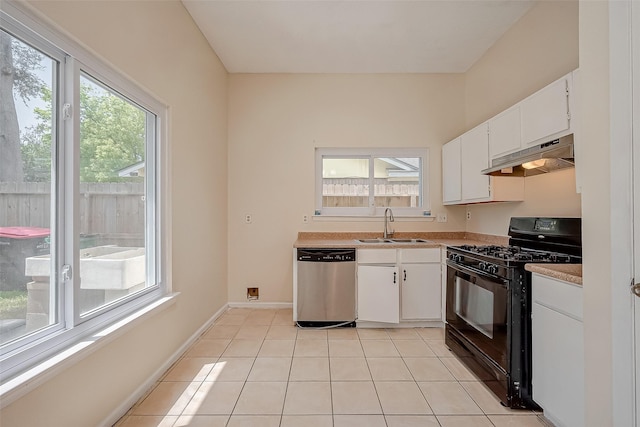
{"x":376,"y":256}
{"x":420,"y":255}
{"x":557,"y":295}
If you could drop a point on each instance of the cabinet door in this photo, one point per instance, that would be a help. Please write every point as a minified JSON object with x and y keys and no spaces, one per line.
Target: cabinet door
{"x":558,"y":366}
{"x":474,"y":146}
{"x":546,"y":113}
{"x":378,"y":293}
{"x":504,"y":133}
{"x":421,"y":296}
{"x":451,"y":172}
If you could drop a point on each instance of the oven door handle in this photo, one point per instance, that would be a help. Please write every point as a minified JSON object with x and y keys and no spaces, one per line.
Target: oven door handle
{"x":476,"y":272}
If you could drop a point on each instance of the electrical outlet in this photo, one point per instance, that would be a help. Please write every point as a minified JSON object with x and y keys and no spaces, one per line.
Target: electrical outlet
{"x":441,"y":218}
{"x":305,"y":219}
{"x":468,"y":215}
{"x":248,"y":219}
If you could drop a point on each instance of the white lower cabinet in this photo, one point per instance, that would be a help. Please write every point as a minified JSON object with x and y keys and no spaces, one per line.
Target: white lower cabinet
{"x":399,"y":284}
{"x":378,"y":295}
{"x":420,"y":289}
{"x":558,"y":350}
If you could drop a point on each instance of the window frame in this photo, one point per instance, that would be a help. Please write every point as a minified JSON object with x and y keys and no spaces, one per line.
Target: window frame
{"x":371,"y":154}
{"x":70,"y":327}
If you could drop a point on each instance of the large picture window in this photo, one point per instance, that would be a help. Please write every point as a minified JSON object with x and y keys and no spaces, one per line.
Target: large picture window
{"x":80,"y":196}
{"x":364,"y":182}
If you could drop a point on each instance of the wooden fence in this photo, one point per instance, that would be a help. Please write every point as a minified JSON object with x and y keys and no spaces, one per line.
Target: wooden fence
{"x":111,"y":212}
{"x":354,"y":192}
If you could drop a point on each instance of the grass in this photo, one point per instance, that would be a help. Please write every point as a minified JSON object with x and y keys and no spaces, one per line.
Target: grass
{"x":13,"y":304}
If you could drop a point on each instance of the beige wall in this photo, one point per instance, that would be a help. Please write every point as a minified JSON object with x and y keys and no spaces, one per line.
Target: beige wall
{"x":596,"y":197}
{"x":552,"y":194}
{"x":275,"y":121}
{"x":157,"y":44}
{"x":540,"y":48}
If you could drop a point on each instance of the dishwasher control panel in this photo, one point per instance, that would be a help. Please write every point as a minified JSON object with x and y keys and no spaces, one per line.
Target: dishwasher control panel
{"x":327,"y":255}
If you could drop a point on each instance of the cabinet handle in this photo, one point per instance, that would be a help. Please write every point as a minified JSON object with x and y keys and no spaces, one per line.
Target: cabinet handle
{"x":405,"y":275}
{"x":636,"y":289}
{"x":394,"y":277}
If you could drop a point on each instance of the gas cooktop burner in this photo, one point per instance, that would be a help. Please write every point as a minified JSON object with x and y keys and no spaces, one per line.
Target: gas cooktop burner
{"x":517,"y":253}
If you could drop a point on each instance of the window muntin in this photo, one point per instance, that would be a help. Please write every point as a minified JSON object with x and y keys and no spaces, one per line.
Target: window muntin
{"x":363,"y":182}
{"x":72,"y":321}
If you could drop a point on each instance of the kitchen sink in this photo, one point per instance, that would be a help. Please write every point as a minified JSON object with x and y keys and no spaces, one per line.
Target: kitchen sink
{"x":374,"y":240}
{"x":409,"y":241}
{"x":379,"y":240}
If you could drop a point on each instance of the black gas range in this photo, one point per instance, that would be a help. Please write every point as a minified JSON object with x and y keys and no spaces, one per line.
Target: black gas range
{"x":488,"y":309}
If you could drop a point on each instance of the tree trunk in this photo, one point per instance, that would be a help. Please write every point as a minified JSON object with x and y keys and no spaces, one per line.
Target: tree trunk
{"x":10,"y":154}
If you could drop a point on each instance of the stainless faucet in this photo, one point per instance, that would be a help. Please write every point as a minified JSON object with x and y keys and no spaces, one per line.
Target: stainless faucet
{"x":388,"y":217}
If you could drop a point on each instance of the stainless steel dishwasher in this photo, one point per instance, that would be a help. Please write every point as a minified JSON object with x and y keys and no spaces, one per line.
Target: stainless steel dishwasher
{"x":326,"y":289}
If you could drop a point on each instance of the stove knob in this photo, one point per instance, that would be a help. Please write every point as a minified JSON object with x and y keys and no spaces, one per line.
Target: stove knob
{"x":493,"y":269}
{"x":482,"y":266}
{"x":454,"y":257}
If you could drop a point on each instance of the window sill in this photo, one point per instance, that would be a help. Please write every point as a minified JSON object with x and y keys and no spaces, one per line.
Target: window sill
{"x":27,"y":381}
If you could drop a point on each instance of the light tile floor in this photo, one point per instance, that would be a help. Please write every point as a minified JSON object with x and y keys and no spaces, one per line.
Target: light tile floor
{"x":254,"y":368}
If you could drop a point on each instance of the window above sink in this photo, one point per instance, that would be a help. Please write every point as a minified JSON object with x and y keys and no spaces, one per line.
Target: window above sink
{"x":363,"y":182}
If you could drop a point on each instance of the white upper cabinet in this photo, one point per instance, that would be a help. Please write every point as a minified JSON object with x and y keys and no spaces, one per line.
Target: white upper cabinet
{"x":463,"y":159}
{"x":539,"y":118}
{"x":474,"y":148}
{"x":451,"y":172}
{"x":504,"y":133}
{"x":545,"y":114}
{"x":542,"y":117}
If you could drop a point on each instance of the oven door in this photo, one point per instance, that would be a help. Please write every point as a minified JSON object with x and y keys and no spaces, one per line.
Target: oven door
{"x":478,"y":309}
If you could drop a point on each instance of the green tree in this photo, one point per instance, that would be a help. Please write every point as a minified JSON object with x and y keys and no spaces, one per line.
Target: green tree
{"x":36,"y":143}
{"x":112,"y":136}
{"x":112,"y":129}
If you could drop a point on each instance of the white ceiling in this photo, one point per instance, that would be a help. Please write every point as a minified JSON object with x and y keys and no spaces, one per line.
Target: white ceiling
{"x":353,"y":36}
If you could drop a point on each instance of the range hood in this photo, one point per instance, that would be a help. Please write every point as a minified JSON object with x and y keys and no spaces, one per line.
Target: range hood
{"x":541,"y":158}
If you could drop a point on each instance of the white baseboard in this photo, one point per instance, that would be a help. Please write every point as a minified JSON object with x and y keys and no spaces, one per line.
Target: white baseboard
{"x":145,"y":387}
{"x":413,"y":324}
{"x":260,"y":305}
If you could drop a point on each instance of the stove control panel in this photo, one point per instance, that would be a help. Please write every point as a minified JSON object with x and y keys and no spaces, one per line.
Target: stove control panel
{"x":488,"y":267}
{"x":455,"y":257}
